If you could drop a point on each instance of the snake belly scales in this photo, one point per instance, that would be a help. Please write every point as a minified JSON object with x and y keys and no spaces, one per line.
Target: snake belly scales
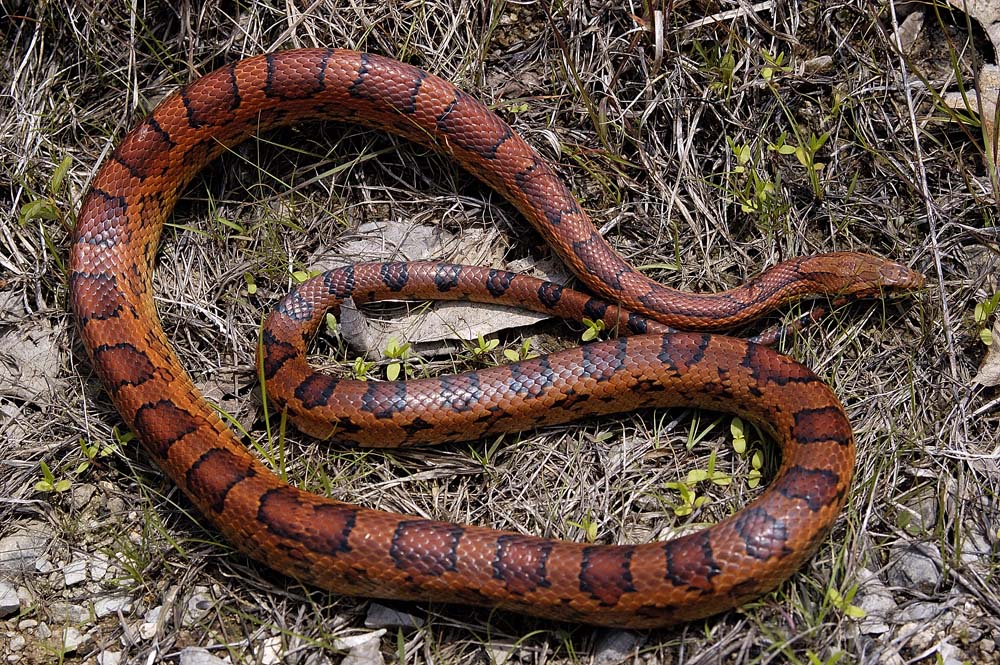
{"x":357,"y":551}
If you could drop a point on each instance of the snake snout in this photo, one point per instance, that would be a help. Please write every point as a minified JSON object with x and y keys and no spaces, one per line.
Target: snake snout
{"x":898,"y":277}
{"x":865,"y":276}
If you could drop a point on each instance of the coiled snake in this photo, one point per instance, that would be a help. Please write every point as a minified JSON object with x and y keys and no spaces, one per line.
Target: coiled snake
{"x":353,"y":550}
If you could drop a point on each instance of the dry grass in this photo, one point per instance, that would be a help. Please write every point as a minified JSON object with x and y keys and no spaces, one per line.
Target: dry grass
{"x":646,"y":142}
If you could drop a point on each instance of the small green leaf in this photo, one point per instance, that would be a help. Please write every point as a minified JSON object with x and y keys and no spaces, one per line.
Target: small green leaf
{"x":844,"y":605}
{"x":986,"y":335}
{"x":300,"y":276}
{"x":60,"y":172}
{"x":721,"y":479}
{"x":739,"y":437}
{"x":743,"y":154}
{"x":63,"y":485}
{"x":38,"y":209}
{"x":361,"y":368}
{"x":603,"y":436}
{"x":123,"y":438}
{"x":594,"y":328}
{"x":711,"y":463}
{"x":511,"y":355}
{"x":855,"y":612}
{"x":392,"y":371}
{"x":697,"y":475}
{"x":485,"y":346}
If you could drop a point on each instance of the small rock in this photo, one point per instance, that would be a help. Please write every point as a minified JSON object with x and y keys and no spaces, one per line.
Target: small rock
{"x":891,"y":657}
{"x":198,"y":656}
{"x":910,"y":30}
{"x":352,"y":641}
{"x":919,"y":637}
{"x":988,"y":645}
{"x":975,"y":546}
{"x":26,"y":624}
{"x":75,"y":572}
{"x":500,"y":654}
{"x":153,"y":615}
{"x":9,"y":602}
{"x":918,"y":612}
{"x":116,"y":506}
{"x":17,"y":642}
{"x":98,"y":565}
{"x":380,"y":616}
{"x":365,"y":653}
{"x":20,"y":550}
{"x":918,"y":515}
{"x":44,"y":566}
{"x":80,"y":495}
{"x":818,"y":65}
{"x":271,"y":651}
{"x":62,"y":612}
{"x":109,"y":658}
{"x":198,"y":605}
{"x":969,"y":634}
{"x":43,"y":631}
{"x":912,"y":566}
{"x":877,"y":602}
{"x":151,"y":619}
{"x":72,"y":639}
{"x":147,"y":630}
{"x":111,"y":605}
{"x":25,"y":596}
{"x":617,"y":646}
{"x":949,"y":654}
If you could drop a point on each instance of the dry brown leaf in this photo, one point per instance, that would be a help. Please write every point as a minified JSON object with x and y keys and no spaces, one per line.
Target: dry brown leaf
{"x":29,"y":363}
{"x":426,"y":328}
{"x":989,"y":371}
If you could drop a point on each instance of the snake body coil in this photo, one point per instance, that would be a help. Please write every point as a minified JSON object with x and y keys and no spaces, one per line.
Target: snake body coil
{"x":353,"y":550}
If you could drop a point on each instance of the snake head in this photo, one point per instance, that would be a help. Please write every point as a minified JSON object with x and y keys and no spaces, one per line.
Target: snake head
{"x":855,"y":275}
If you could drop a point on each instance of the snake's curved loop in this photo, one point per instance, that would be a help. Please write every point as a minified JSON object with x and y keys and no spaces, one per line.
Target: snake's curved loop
{"x":353,"y":550}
